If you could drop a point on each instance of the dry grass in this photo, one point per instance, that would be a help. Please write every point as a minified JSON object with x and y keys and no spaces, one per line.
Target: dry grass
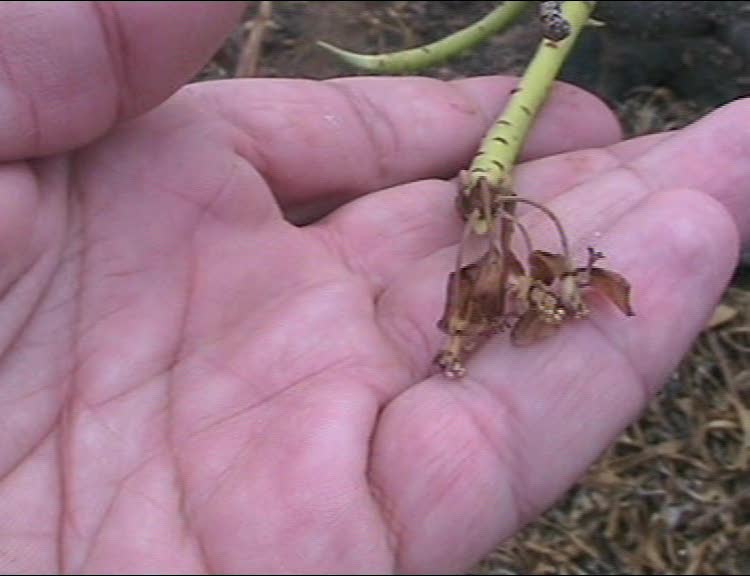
{"x":647,"y":109}
{"x":673,"y":494}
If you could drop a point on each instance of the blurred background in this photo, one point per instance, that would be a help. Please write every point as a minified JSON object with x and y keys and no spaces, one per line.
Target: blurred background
{"x":673,"y":494}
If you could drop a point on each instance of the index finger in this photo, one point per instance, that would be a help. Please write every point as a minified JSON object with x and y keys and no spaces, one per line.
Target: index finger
{"x":328,"y":142}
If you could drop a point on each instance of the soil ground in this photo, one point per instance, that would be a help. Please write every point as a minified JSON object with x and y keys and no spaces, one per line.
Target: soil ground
{"x":672,"y":495}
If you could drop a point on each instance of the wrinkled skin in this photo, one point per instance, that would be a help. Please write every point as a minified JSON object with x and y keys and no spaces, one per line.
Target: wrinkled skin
{"x":189,"y":382}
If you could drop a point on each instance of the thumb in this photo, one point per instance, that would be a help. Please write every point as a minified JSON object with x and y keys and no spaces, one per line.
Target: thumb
{"x":69,"y":71}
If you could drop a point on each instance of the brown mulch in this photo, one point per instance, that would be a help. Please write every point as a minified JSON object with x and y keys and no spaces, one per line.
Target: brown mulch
{"x":672,"y":495}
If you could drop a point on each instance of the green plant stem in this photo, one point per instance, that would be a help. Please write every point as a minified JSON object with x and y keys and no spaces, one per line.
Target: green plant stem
{"x":503,"y":142}
{"x":416,"y":59}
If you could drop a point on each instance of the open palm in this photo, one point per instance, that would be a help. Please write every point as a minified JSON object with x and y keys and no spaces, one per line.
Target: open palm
{"x":189,"y":381}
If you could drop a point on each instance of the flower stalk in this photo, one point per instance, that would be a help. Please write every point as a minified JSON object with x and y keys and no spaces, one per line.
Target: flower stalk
{"x":496,"y":292}
{"x":503,"y":142}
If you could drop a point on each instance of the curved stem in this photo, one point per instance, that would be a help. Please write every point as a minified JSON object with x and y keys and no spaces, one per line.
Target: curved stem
{"x":550,"y":214}
{"x":416,"y":59}
{"x":521,"y":226}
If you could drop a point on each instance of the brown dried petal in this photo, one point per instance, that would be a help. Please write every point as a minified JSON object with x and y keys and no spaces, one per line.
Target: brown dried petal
{"x":515,"y":268}
{"x":489,"y":288}
{"x":491,"y":285}
{"x":546,"y":266}
{"x":455,"y":309}
{"x":531,"y":328}
{"x":614,"y":287}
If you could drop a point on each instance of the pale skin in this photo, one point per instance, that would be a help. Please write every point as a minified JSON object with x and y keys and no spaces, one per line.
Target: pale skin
{"x":189,"y":382}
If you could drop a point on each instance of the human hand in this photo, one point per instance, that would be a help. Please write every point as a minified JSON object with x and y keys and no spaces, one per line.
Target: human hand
{"x":189,"y":382}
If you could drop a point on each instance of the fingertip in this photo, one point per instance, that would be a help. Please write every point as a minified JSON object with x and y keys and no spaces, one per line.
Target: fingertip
{"x":710,"y":218}
{"x":71,"y":70}
{"x":677,"y":249}
{"x":709,"y":155}
{"x":155,"y":65}
{"x":695,"y":233}
{"x":704,"y":240}
{"x":575,"y":110}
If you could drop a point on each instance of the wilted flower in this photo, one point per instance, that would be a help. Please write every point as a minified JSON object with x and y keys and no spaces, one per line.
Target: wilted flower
{"x":554,"y":290}
{"x":495,"y":292}
{"x":475,"y":306}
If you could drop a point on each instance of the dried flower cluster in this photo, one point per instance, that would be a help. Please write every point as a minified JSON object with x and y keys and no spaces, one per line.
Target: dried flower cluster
{"x":496,"y":292}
